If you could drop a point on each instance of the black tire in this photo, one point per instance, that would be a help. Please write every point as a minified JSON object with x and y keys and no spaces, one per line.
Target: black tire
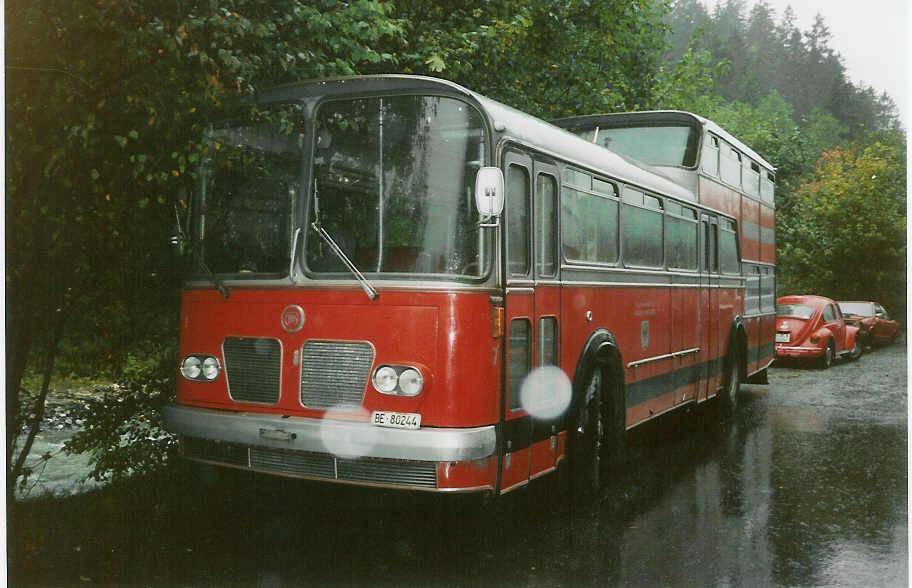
{"x":587,"y":432}
{"x":729,"y":396}
{"x":826,"y":360}
{"x":857,"y":351}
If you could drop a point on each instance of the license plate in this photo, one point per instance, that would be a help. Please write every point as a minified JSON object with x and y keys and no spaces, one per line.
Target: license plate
{"x":783,"y":337}
{"x":396,"y":420}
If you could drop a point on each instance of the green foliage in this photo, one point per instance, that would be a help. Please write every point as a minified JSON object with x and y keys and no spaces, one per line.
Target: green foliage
{"x":550,"y":58}
{"x":105,"y":106}
{"x":123,"y":429}
{"x":846,"y":236}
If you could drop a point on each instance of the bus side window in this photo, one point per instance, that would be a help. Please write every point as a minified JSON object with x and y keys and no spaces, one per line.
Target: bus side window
{"x":520,"y":359}
{"x":547,"y":341}
{"x":710,"y":157}
{"x":546,"y":205}
{"x":768,"y":290}
{"x":767,"y":187}
{"x":751,"y":178}
{"x":730,"y":163}
{"x":728,"y":248}
{"x":641,"y":229}
{"x":518,"y":220}
{"x":710,"y":246}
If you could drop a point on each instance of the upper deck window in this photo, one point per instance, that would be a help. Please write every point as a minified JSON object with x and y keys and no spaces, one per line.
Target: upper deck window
{"x":652,"y":144}
{"x":767,"y":187}
{"x":730,"y":165}
{"x":710,"y":156}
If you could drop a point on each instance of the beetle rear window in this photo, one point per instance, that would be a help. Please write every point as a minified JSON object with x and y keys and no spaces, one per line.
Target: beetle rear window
{"x":800,"y":311}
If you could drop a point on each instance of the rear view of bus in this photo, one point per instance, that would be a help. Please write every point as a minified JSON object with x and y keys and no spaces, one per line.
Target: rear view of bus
{"x":339,"y":322}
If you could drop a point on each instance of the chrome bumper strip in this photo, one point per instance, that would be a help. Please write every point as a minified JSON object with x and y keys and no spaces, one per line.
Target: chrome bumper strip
{"x":340,"y":438}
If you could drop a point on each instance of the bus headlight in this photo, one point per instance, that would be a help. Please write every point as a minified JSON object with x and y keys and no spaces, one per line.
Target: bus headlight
{"x":398,"y":380}
{"x":211,"y":368}
{"x":199,"y":367}
{"x":386,"y":379}
{"x":411,"y":382}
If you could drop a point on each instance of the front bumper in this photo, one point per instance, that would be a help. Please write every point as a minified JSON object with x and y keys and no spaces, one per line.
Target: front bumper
{"x":348,"y":439}
{"x":435,"y":459}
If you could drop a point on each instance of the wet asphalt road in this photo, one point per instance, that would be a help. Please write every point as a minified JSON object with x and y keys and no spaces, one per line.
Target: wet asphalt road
{"x":805,"y":486}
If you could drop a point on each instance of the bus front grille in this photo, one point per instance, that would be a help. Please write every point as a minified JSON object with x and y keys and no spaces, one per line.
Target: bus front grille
{"x":318,"y":466}
{"x":253,"y":368}
{"x":334,"y":373}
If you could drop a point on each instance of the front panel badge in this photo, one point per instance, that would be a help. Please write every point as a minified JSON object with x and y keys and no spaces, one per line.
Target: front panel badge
{"x":293,"y":318}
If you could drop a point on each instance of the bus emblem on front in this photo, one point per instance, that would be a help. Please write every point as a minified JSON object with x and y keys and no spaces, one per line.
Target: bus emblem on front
{"x":293,"y":318}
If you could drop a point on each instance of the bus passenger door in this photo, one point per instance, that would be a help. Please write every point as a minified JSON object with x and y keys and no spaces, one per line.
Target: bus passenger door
{"x":708,"y":310}
{"x":546,"y":311}
{"x":532,"y":309}
{"x":519,"y":305}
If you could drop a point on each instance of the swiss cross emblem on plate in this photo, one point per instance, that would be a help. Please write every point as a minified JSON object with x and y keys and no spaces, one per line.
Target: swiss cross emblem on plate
{"x":292,"y":318}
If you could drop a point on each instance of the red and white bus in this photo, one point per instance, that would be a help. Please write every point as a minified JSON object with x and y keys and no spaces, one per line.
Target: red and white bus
{"x":398,"y":282}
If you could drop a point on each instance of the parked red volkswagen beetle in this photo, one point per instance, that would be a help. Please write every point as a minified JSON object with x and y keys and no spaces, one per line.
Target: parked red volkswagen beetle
{"x":813,"y":327}
{"x":874,"y":325}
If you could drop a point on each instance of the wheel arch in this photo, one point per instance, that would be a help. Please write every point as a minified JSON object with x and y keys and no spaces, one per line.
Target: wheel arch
{"x":600,"y":349}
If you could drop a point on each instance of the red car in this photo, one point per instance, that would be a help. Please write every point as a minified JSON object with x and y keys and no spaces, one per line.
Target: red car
{"x":874,"y":325}
{"x":813,"y":327}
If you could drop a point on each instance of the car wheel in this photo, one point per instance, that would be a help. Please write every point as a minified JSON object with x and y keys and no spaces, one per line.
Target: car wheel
{"x":856,"y":350}
{"x":827,"y":359}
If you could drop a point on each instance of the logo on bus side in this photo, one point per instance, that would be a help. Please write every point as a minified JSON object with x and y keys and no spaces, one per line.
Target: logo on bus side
{"x":293,"y":318}
{"x":644,"y":334}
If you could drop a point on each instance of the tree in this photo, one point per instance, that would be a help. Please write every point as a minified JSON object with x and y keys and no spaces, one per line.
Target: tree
{"x":846,"y":237}
{"x":105,"y":105}
{"x":549,"y":58}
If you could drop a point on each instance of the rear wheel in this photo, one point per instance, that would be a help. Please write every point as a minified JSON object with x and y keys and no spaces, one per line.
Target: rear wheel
{"x":732,"y":385}
{"x":826,"y":360}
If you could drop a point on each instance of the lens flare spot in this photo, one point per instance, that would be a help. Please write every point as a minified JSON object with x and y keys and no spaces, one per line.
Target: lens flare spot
{"x":345,"y":433}
{"x":546,"y":392}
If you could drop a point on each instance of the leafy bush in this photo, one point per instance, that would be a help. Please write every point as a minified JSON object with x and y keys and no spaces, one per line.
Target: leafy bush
{"x":123,"y":428}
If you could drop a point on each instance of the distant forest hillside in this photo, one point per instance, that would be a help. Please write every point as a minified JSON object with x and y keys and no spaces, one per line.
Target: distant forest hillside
{"x":760,"y":51}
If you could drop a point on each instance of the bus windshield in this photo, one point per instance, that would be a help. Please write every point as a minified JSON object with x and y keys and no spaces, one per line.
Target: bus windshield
{"x":393,"y":186}
{"x":249,"y":181}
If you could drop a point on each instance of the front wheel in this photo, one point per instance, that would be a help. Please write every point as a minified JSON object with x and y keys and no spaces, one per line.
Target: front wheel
{"x":856,"y":350}
{"x":588,"y":429}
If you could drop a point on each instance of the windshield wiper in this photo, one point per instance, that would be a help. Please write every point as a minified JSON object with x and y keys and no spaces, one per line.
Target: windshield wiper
{"x":219,"y":284}
{"x":318,"y":227}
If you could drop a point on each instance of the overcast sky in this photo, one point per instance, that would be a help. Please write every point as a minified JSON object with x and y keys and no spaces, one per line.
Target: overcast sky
{"x":870,"y":35}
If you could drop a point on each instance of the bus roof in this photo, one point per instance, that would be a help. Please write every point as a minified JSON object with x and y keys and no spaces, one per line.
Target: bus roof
{"x":508,"y":122}
{"x":654,"y":116}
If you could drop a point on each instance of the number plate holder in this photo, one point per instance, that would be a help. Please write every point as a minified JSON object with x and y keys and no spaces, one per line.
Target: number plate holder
{"x":396,"y":420}
{"x":783,"y":337}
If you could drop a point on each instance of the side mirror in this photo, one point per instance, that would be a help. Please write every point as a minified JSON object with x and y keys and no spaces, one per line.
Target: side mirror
{"x":179,"y":238}
{"x":489,"y":192}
